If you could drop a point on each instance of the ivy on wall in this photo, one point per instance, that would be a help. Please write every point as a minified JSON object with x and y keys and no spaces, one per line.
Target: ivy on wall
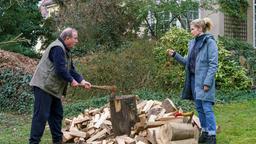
{"x":234,"y":8}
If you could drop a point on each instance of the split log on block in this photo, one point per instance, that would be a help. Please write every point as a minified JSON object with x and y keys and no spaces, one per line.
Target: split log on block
{"x":168,"y":105}
{"x":123,"y":114}
{"x":175,"y":131}
{"x":186,"y":141}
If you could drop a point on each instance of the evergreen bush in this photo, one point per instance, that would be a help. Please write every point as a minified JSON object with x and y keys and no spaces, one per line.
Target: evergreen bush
{"x":15,"y":93}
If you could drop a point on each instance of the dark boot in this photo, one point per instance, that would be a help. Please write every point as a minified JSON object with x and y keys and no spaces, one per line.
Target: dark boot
{"x":211,"y":139}
{"x":203,"y":137}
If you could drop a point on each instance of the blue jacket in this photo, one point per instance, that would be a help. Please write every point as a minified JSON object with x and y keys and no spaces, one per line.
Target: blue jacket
{"x":205,"y":69}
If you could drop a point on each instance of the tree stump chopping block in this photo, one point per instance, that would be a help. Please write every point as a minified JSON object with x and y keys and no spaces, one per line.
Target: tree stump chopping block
{"x":123,"y":110}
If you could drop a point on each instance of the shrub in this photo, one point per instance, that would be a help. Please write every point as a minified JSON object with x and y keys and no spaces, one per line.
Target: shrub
{"x":170,"y":75}
{"x":16,"y":95}
{"x":230,"y":74}
{"x":242,"y":53}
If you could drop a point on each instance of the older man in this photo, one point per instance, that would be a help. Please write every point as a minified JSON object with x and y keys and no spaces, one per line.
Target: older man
{"x":53,"y":73}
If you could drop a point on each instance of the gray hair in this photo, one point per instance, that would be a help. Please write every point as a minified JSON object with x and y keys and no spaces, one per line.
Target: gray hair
{"x":67,"y":32}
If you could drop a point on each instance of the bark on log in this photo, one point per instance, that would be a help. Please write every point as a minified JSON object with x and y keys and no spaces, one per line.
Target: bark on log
{"x":123,"y":112}
{"x":173,"y":132}
{"x":186,"y":141}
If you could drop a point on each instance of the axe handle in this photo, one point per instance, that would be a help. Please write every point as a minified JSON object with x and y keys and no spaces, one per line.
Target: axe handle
{"x":111,"y":88}
{"x":101,"y":87}
{"x":104,"y":87}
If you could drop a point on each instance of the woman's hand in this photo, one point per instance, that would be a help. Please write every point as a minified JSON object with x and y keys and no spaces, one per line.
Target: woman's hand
{"x":170,"y":52}
{"x":206,"y":88}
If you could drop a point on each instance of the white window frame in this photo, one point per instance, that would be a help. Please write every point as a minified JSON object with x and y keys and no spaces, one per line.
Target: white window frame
{"x":254,"y":22}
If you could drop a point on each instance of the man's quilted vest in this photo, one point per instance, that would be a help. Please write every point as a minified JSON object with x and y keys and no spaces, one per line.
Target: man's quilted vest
{"x":45,"y":76}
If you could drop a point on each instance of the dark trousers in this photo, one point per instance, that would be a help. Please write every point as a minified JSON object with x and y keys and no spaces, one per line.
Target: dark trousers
{"x":46,"y":108}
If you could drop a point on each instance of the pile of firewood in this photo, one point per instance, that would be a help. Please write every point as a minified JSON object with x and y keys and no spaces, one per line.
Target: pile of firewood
{"x":158,"y":123}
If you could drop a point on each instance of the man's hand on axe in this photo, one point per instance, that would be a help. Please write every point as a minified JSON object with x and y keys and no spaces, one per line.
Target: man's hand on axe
{"x":86,"y":84}
{"x":74,"y":83}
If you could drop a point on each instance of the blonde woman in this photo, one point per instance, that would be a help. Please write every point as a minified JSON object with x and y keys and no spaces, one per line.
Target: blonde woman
{"x":201,"y":65}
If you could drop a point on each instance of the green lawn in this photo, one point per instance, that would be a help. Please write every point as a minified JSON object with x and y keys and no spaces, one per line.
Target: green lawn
{"x":237,"y":122}
{"x":15,"y":129}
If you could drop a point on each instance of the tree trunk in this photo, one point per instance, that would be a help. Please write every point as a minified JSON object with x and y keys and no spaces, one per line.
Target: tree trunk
{"x":123,"y":112}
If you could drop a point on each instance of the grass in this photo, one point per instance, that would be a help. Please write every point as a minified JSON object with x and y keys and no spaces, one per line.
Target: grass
{"x":15,"y":129}
{"x":237,"y":121}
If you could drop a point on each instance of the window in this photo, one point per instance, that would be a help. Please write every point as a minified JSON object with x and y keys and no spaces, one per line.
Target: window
{"x":254,"y":24}
{"x":235,"y":28}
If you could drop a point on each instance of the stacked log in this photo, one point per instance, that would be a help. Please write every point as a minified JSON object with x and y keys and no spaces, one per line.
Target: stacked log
{"x":158,"y":123}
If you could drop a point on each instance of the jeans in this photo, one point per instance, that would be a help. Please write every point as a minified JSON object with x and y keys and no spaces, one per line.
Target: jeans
{"x":46,"y":108}
{"x":205,"y":111}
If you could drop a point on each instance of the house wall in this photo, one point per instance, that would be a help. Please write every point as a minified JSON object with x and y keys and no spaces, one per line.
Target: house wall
{"x":52,"y":9}
{"x":217,"y":19}
{"x":250,"y":22}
